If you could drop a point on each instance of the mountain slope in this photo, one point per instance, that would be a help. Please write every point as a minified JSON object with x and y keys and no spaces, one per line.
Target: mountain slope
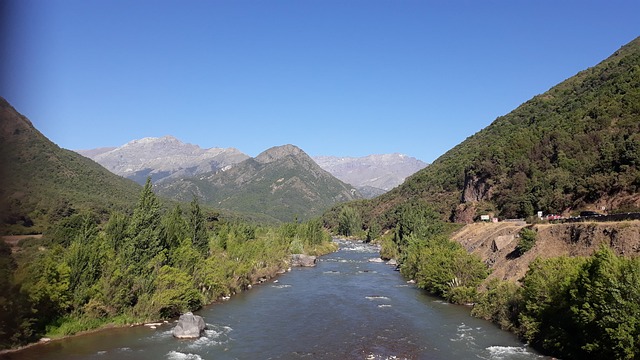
{"x":41,"y":181}
{"x":163,"y":159}
{"x":373,"y":174}
{"x":283,"y":182}
{"x":577,"y":146}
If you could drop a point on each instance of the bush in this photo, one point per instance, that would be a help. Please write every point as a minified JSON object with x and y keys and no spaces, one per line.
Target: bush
{"x":500,"y":303}
{"x":462,"y":295}
{"x":527,"y":240}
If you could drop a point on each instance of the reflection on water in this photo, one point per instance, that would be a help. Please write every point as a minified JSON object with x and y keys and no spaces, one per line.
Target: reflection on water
{"x":347,"y":307}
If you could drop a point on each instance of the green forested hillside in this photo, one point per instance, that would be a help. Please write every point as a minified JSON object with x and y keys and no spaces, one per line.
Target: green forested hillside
{"x":573,"y":147}
{"x":282,"y":182}
{"x":42,"y":183}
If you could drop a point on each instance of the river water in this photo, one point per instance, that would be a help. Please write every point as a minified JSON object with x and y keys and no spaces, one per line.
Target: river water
{"x":344,"y":308}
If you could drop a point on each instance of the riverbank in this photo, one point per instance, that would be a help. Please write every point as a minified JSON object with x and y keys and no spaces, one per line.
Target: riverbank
{"x":346,"y":307}
{"x":260,"y":276}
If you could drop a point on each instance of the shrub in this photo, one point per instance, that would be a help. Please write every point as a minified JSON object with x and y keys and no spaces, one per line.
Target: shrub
{"x":527,"y":240}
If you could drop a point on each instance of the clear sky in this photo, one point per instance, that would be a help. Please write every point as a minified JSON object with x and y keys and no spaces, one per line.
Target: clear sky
{"x":345,"y":78}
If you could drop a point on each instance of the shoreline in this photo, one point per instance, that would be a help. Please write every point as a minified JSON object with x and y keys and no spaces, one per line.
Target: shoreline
{"x":111,"y":326}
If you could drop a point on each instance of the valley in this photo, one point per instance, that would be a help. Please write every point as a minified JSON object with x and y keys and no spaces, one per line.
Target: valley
{"x":115,"y":253}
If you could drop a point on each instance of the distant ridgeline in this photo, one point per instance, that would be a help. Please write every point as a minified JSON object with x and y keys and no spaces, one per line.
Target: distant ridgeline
{"x":577,"y":146}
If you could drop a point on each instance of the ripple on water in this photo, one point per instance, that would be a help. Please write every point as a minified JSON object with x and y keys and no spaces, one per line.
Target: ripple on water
{"x":214,"y":335}
{"x":464,"y":334}
{"x":509,"y":352}
{"x":282,"y":286}
{"x":176,"y":355}
{"x":383,"y":357}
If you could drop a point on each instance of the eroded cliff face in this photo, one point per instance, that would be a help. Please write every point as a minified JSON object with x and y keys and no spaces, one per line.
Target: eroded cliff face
{"x":496,"y":243}
{"x":476,"y":189}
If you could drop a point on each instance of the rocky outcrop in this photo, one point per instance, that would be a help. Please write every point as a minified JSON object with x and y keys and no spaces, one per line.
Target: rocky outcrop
{"x":301,"y":260}
{"x":189,"y":326}
{"x":476,"y":188}
{"x":502,"y":242}
{"x":496,"y":243}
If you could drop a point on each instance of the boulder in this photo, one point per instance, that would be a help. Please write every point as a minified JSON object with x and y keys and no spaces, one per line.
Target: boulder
{"x":392,"y":262}
{"x":189,"y":326}
{"x":303,"y":260}
{"x":501,"y":242}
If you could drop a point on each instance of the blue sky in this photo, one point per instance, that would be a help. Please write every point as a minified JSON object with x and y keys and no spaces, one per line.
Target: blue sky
{"x":345,"y":78}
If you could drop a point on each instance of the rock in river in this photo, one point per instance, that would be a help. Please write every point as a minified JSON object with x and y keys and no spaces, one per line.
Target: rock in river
{"x":189,"y":326}
{"x":303,"y":260}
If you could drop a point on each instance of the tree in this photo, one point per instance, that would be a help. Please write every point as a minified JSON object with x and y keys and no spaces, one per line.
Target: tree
{"x":605,"y":309}
{"x":349,"y":222}
{"x":174,"y":228}
{"x":197,"y":228}
{"x":545,"y":318}
{"x":144,"y":229}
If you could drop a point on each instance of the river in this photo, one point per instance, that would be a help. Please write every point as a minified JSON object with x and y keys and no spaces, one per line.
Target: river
{"x":344,"y":308}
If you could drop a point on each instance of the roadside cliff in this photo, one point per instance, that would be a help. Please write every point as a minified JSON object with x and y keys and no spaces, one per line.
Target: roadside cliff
{"x":496,"y":243}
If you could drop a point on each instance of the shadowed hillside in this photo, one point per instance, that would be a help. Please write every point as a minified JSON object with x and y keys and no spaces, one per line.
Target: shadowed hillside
{"x":42,"y":182}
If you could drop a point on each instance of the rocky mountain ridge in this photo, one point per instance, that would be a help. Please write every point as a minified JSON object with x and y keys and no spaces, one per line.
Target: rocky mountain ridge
{"x":163,"y":158}
{"x":167,"y":158}
{"x":282,"y":182}
{"x":372,"y":174}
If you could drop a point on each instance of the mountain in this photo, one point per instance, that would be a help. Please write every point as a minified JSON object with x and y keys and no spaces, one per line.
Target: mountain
{"x":372,"y":175}
{"x":283,"y":182}
{"x":168,"y":158}
{"x":42,"y":182}
{"x":577,"y":146}
{"x":163,"y":159}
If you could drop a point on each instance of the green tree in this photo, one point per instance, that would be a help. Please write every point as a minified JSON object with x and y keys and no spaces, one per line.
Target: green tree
{"x":545,"y":318}
{"x":174,"y":293}
{"x":197,"y":228}
{"x":527,"y":240}
{"x":144,"y":229}
{"x":84,"y":258}
{"x":605,"y":308}
{"x":16,"y":317}
{"x":500,"y":303}
{"x":47,"y":283}
{"x":349,"y":222}
{"x":173,"y":228}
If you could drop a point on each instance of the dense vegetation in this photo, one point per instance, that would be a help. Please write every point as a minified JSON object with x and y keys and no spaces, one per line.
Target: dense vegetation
{"x":575,"y":145}
{"x":421,"y":246}
{"x":574,"y":308}
{"x":568,"y":307}
{"x":40,"y":183}
{"x":147,"y":266}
